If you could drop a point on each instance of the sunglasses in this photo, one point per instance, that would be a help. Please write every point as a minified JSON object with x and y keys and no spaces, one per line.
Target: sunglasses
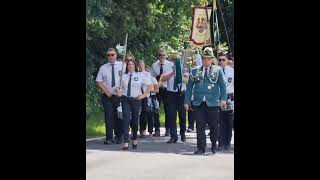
{"x":110,"y":54}
{"x":161,"y":55}
{"x":221,"y":59}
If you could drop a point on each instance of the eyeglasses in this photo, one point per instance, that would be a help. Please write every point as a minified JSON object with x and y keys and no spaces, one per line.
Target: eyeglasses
{"x":161,"y":55}
{"x":221,"y":59}
{"x":110,"y":54}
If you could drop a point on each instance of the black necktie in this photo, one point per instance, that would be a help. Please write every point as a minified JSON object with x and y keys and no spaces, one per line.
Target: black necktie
{"x":113,"y":82}
{"x":161,"y":69}
{"x":129,"y":87}
{"x":206,"y":73}
{"x":223,"y":71}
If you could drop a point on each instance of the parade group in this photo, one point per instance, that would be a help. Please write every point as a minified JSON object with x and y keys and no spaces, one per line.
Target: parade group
{"x":132,"y":93}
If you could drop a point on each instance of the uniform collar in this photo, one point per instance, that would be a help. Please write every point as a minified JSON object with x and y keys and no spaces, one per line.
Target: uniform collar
{"x":203,"y":68}
{"x":112,"y":63}
{"x":164,"y":62}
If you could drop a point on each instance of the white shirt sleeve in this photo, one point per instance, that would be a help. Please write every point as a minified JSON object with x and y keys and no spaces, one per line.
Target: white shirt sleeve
{"x":146,"y":80}
{"x":152,"y":71}
{"x":154,"y":80}
{"x":99,"y":76}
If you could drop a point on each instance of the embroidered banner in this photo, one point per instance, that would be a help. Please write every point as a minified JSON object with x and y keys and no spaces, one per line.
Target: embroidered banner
{"x":200,"y":31}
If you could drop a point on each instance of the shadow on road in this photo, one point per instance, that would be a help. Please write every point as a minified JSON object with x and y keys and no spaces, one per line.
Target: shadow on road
{"x":151,"y":144}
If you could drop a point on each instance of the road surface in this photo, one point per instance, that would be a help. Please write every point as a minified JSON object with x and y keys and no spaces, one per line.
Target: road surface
{"x":156,"y":160}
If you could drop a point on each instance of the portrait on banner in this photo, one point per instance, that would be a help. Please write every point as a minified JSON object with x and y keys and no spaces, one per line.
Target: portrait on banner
{"x":200,"y":32}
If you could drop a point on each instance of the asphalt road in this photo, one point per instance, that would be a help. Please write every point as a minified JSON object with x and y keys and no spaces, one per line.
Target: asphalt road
{"x":156,"y":160}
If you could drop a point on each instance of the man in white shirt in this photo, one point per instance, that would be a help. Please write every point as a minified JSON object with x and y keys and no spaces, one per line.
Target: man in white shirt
{"x":162,"y":66}
{"x":226,"y":115}
{"x":175,"y":100}
{"x":108,"y":79}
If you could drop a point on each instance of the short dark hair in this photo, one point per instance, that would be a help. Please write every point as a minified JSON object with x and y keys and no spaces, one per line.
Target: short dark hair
{"x":113,"y":49}
{"x":221,"y":54}
{"x":230,"y":57}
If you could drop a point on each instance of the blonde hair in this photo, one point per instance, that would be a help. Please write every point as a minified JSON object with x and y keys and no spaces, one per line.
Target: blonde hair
{"x":129,"y":54}
{"x":140,"y":62}
{"x":162,"y":51}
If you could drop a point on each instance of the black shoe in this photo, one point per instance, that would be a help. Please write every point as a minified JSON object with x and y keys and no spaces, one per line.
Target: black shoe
{"x":213,"y":150}
{"x":107,"y":142}
{"x":156,"y":134}
{"x":172,"y":141}
{"x":167,"y":132}
{"x":183,"y":137}
{"x":199,"y":151}
{"x":113,"y":141}
{"x":134,"y":146}
{"x":125,"y":148}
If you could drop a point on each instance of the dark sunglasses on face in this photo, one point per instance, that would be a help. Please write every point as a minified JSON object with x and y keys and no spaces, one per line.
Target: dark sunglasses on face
{"x":221,"y":59}
{"x":161,"y":55}
{"x":110,"y":54}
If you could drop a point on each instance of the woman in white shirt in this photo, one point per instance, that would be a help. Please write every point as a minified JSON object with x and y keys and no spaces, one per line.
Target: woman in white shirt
{"x":132,"y":82}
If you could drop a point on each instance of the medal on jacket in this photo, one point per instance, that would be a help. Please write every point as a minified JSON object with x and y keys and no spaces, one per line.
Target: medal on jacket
{"x":210,"y":86}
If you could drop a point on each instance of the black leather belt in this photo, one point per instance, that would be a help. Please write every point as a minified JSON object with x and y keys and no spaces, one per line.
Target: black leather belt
{"x":131,"y":98}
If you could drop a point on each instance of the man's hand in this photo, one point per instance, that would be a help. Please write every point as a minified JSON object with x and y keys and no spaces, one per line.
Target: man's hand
{"x":108,"y":94}
{"x":186,"y":107}
{"x":141,"y":97}
{"x":119,"y":92}
{"x":223,"y":104}
{"x":104,"y":89}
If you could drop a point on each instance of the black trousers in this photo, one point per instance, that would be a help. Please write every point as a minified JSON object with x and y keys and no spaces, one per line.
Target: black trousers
{"x":176,"y":103}
{"x":143,"y":115}
{"x":225,"y":128}
{"x":191,"y":119}
{"x":131,"y":109}
{"x":153,"y":114}
{"x":204,"y":114}
{"x":162,"y":97}
{"x":112,"y":123}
